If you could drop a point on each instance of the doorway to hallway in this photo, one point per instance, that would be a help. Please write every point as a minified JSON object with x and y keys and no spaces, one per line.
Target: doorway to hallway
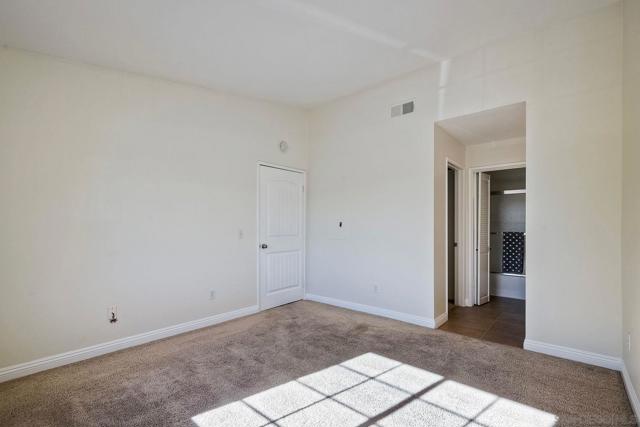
{"x":480,"y":275}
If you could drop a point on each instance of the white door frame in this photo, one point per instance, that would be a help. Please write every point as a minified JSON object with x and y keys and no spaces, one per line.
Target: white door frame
{"x":470,"y":285}
{"x":459,"y":234}
{"x":304,"y":226}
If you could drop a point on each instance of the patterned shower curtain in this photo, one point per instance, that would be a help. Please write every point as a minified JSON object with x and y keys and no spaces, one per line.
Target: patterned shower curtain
{"x":513,"y":252}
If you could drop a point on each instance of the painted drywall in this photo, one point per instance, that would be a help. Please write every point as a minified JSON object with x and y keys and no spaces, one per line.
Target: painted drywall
{"x":379,"y":173}
{"x":122,"y":189}
{"x":375,"y":173}
{"x":631,"y":192}
{"x":573,"y":129}
{"x":506,"y":151}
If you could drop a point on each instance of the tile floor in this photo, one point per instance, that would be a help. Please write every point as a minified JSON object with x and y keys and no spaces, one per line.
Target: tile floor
{"x":501,"y":321}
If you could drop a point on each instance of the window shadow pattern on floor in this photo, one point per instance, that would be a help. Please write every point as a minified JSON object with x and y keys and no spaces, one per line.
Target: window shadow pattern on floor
{"x":373,"y":390}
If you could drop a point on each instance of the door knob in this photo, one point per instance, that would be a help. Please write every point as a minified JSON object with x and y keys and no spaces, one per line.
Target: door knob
{"x":264,"y":246}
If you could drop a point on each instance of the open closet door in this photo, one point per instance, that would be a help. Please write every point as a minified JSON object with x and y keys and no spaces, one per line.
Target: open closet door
{"x":482,"y":237}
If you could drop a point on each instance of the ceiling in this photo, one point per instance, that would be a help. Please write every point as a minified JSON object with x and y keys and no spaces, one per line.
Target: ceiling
{"x":299,"y":52}
{"x":485,"y":126}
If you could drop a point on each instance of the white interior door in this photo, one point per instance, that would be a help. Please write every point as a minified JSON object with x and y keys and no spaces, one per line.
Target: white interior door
{"x":281,"y":236}
{"x":483,"y":210}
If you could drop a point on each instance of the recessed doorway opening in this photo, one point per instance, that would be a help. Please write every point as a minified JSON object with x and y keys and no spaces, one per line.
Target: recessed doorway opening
{"x":483,"y":279}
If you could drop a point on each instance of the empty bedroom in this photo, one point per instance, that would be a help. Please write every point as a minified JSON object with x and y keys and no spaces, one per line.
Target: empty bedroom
{"x":319,"y":213}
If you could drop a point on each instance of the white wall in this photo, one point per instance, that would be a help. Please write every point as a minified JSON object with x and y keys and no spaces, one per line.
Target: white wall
{"x":122,"y":189}
{"x":495,"y":153}
{"x":378,"y":173}
{"x":631,"y":195}
{"x":573,"y":165}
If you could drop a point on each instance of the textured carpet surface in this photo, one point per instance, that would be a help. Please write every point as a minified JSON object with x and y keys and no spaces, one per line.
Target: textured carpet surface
{"x":279,"y":358}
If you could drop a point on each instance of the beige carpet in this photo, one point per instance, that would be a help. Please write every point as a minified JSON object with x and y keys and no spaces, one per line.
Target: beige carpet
{"x":314,"y":365}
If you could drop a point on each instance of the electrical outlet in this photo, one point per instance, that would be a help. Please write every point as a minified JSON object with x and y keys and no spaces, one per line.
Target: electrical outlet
{"x":113,"y":314}
{"x":376,"y":288}
{"x":212,"y":294}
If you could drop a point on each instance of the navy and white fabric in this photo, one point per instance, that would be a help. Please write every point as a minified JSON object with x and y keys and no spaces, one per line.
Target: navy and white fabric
{"x":513,"y":252}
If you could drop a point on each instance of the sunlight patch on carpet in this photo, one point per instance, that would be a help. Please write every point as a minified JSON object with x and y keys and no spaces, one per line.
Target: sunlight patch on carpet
{"x":374,"y":390}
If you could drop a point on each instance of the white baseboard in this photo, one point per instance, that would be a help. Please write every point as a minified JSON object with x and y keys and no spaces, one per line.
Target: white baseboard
{"x":28,"y":368}
{"x":587,"y":357}
{"x":404,"y":317}
{"x":442,"y":319}
{"x":634,"y":399}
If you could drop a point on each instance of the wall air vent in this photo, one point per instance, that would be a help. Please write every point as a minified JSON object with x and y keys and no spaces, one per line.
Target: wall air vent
{"x":402,"y":109}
